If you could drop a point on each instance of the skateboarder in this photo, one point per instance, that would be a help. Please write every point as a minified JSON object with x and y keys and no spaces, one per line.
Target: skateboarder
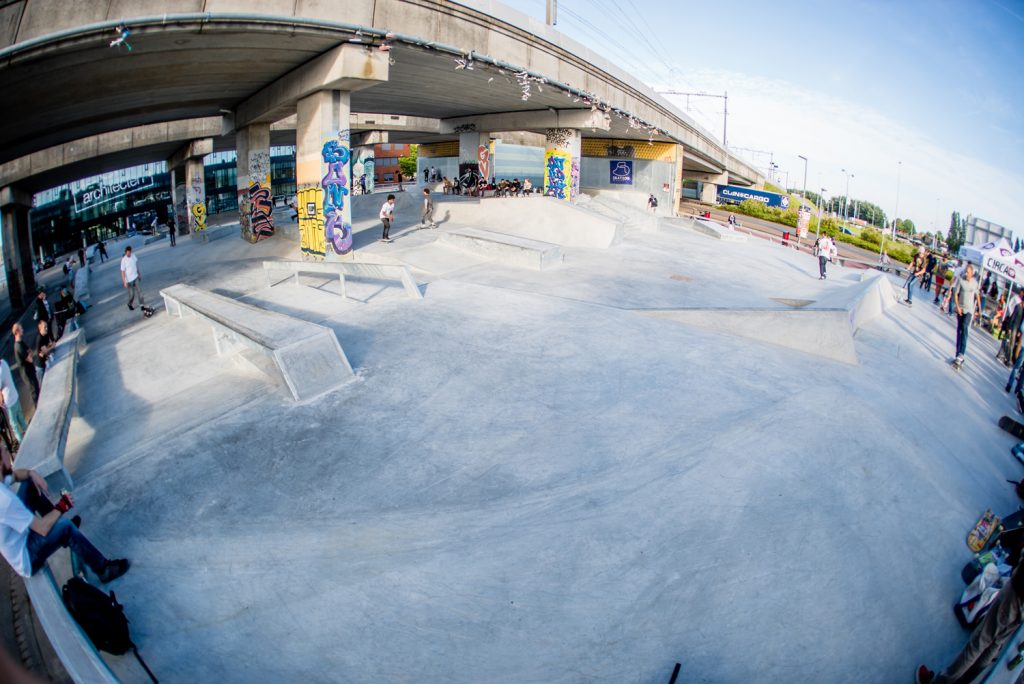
{"x":387,"y":215}
{"x":966,"y":300}
{"x":131,"y":277}
{"x":427,"y":219}
{"x":917,"y":269}
{"x":988,"y":639}
{"x":823,"y":248}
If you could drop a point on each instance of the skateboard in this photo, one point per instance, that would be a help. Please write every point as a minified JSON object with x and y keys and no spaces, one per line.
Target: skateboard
{"x":1018,"y":451}
{"x":986,"y":526}
{"x":1013,"y":427}
{"x":147,"y":312}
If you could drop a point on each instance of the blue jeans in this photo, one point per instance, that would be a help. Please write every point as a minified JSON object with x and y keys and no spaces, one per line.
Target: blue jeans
{"x":17,"y":419}
{"x":963,"y":326}
{"x":63,"y":533}
{"x":910,"y":291}
{"x":1015,"y":373}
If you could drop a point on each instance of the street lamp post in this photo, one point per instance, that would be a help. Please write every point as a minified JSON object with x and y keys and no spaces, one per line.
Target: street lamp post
{"x":804,"y":193}
{"x":817,"y":229}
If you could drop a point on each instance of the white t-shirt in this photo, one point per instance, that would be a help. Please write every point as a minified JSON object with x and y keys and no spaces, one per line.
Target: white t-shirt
{"x":387,"y":210}
{"x":14,"y":522}
{"x":130,"y":267}
{"x":7,"y":387}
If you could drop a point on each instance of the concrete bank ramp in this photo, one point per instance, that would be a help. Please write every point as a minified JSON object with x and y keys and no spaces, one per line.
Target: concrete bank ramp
{"x":507,"y":249}
{"x":536,"y":218}
{"x":824,"y":328}
{"x":627,"y":208}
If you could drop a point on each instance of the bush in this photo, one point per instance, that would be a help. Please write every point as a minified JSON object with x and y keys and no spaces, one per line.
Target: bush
{"x":872,"y":236}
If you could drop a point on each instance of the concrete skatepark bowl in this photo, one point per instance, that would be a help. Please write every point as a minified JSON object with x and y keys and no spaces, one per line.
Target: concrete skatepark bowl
{"x":533,"y":479}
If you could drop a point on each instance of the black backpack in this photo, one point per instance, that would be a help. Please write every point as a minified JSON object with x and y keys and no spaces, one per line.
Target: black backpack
{"x":101,"y":617}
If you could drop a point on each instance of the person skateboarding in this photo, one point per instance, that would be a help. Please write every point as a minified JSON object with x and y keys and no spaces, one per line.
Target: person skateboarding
{"x":967,"y":301}
{"x":387,"y":215}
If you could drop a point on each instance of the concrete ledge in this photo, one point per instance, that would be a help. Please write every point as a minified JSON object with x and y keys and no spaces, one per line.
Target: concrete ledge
{"x":342,"y":268}
{"x":535,"y":218}
{"x":507,"y":249}
{"x":307,"y":356}
{"x":77,"y":654}
{"x":709,"y":228}
{"x":42,"y":449}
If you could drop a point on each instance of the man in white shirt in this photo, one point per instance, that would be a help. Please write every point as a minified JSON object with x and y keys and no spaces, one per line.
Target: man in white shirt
{"x":9,"y":394}
{"x":28,"y":540}
{"x":132,"y":280}
{"x":387,"y":215}
{"x":824,"y":249}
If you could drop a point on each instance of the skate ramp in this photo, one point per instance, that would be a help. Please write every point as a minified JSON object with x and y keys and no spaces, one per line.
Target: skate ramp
{"x":536,"y":218}
{"x":705,"y":227}
{"x":824,"y":328}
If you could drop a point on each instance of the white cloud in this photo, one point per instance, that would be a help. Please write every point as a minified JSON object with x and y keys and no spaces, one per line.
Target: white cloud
{"x":771,"y":114}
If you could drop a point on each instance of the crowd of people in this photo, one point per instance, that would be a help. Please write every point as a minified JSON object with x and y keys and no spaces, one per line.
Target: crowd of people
{"x":32,"y":525}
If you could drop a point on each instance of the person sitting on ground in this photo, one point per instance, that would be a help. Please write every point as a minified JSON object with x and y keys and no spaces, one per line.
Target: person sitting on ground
{"x":32,"y":528}
{"x":67,"y":310}
{"x":527,"y":187}
{"x":982,"y":649}
{"x":23,"y":355}
{"x":447,"y":185}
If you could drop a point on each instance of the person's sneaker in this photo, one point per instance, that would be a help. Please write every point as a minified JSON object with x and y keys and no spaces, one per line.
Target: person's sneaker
{"x":1007,"y":389}
{"x":77,"y":521}
{"x":114,"y":569}
{"x":131,"y":308}
{"x":924,"y":675}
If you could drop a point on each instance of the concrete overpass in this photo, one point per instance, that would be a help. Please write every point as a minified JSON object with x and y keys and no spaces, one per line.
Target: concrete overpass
{"x":78,"y":97}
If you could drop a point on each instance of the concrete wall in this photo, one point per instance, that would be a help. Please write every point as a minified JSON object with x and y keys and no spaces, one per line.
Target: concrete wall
{"x":648,"y":177}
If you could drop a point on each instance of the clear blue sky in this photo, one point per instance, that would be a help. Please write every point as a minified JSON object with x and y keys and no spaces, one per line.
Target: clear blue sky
{"x":940,"y":82}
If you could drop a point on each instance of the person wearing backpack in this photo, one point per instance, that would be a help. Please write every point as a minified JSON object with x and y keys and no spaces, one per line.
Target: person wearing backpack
{"x":32,"y":528}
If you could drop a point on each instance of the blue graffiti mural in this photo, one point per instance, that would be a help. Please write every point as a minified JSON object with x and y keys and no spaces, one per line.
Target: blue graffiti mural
{"x":555,"y":169}
{"x":337,"y":231}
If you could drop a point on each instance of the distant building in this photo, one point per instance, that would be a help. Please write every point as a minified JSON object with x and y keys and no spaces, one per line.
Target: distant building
{"x":979,"y":231}
{"x":385,"y":159}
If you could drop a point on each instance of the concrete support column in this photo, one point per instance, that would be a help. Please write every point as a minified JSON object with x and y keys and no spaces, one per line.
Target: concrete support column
{"x":709,"y":192}
{"x":17,"y":246}
{"x":179,"y":199}
{"x":255,"y":203}
{"x":562,"y":150}
{"x":474,"y":155}
{"x":362,"y":163}
{"x":195,"y":196}
{"x":323,"y":173}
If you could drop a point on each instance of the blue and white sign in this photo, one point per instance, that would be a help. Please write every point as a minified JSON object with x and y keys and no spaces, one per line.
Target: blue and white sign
{"x":620,"y":171}
{"x":730,"y":194}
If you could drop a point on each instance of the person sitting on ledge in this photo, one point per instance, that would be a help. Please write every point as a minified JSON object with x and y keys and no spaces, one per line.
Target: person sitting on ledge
{"x":27,"y":540}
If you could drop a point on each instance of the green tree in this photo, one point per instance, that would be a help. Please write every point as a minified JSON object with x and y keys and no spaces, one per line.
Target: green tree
{"x":957,"y":233}
{"x":407,"y":165}
{"x":905,"y":226}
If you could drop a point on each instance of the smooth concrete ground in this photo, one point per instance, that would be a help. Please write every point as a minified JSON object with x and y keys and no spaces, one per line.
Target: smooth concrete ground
{"x":530,"y":481}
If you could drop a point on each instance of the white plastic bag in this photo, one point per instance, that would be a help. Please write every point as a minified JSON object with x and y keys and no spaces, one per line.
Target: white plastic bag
{"x":982,"y":592}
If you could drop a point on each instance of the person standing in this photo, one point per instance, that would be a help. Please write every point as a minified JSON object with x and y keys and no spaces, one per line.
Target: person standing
{"x":103,"y":251}
{"x":44,"y":345}
{"x":982,"y":649}
{"x":966,"y":301}
{"x":12,"y":405}
{"x":427,"y":219}
{"x":400,"y":188}
{"x":362,"y":184}
{"x":929,"y":271}
{"x":43,"y":310}
{"x":23,"y":356}
{"x":652,"y":203}
{"x":387,"y":215}
{"x":171,"y":233}
{"x":131,"y":277}
{"x":823,"y":248}
{"x":917,"y":269}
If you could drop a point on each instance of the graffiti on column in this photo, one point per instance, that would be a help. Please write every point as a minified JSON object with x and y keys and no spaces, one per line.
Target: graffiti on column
{"x":258,"y":204}
{"x":180,"y":207}
{"x":337,"y":232}
{"x":261,"y":221}
{"x":483,"y":155}
{"x":369,"y":170}
{"x":199,"y":216}
{"x":197,"y":203}
{"x":556,"y":174}
{"x":574,"y":184}
{"x":244,"y":215}
{"x":310,"y":200}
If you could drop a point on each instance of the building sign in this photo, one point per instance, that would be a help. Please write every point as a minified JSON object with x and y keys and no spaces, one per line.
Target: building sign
{"x":620,"y":172}
{"x":730,"y":194}
{"x":101,"y":194}
{"x":803,"y":221}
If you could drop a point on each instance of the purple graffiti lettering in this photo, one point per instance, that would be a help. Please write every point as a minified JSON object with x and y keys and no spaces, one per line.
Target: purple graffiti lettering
{"x":335,"y":184}
{"x":261,"y":220}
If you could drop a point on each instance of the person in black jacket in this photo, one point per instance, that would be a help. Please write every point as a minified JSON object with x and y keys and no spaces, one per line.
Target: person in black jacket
{"x":23,"y":356}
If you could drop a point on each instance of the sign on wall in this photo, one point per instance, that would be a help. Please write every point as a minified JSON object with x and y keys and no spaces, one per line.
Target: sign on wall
{"x":731,"y":194}
{"x":101,"y":194}
{"x":620,"y":171}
